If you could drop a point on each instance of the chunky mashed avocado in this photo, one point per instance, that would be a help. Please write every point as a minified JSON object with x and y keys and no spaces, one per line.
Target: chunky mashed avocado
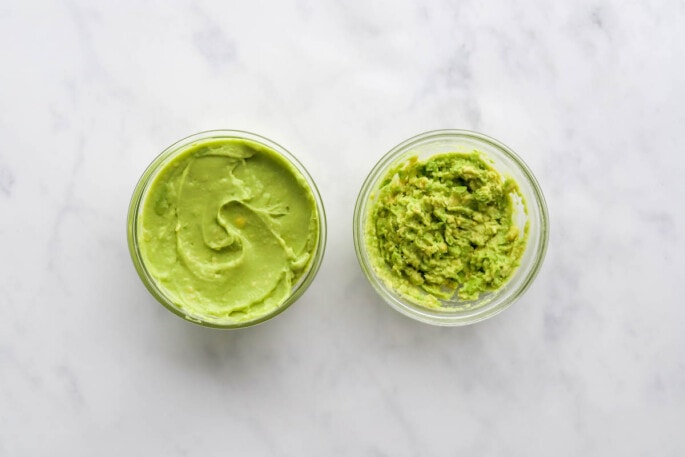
{"x":445,"y":226}
{"x":226,"y":228}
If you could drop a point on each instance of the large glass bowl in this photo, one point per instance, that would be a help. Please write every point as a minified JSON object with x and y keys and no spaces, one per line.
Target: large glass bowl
{"x":140,"y":193}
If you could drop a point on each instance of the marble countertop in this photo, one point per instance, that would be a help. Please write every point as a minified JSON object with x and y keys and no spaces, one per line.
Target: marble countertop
{"x":591,"y":361}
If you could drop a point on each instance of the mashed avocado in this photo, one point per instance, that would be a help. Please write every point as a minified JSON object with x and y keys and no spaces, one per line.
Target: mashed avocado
{"x":444,"y":227}
{"x":226,"y":228}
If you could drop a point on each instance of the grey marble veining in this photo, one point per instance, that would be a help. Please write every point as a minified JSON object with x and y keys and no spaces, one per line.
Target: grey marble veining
{"x":591,"y":361}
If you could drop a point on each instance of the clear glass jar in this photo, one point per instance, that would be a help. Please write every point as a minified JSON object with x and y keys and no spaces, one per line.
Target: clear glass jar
{"x":454,"y":312}
{"x":138,"y":199}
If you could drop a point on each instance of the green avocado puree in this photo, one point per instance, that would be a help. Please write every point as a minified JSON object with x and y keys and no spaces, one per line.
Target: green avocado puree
{"x":445,"y":227}
{"x":226,"y":228}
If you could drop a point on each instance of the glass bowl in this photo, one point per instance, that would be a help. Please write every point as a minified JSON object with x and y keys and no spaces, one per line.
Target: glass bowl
{"x":533,"y":213}
{"x":134,"y":226}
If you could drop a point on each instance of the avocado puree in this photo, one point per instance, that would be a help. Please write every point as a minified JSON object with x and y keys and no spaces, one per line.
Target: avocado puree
{"x":444,"y":226}
{"x":227,"y":227}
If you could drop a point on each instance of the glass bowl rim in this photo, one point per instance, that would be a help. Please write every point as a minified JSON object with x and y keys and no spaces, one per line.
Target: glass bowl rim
{"x":178,"y":147}
{"x":405,"y":306}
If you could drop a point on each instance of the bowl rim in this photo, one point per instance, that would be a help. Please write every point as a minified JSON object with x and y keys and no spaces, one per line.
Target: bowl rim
{"x":402,"y":304}
{"x":178,"y":147}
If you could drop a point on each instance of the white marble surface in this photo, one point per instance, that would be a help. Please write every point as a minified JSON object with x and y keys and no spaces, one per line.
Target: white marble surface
{"x":590,"y":362}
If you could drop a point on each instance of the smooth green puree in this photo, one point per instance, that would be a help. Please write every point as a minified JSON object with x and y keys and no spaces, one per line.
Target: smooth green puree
{"x":445,"y":227}
{"x":227,"y":227}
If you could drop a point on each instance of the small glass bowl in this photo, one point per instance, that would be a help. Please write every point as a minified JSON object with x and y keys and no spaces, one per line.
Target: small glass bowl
{"x":140,"y":193}
{"x":455,"y":312}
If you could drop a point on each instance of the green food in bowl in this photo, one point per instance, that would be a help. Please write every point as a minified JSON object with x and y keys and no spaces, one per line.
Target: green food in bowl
{"x":226,"y":230}
{"x":450,"y":227}
{"x":445,"y":225}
